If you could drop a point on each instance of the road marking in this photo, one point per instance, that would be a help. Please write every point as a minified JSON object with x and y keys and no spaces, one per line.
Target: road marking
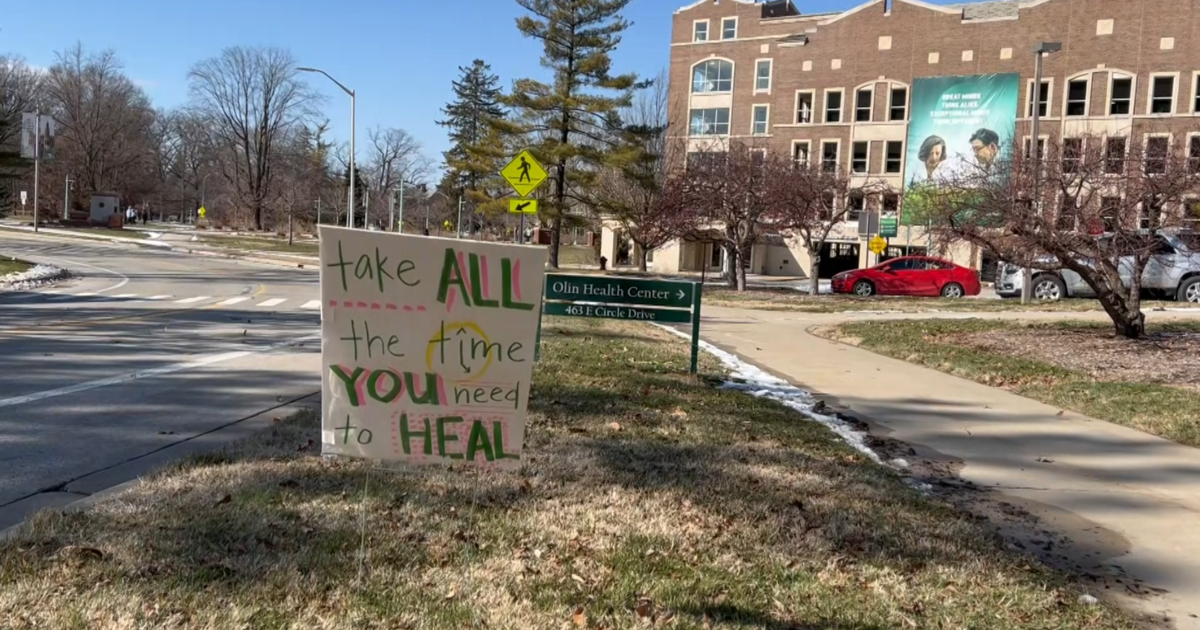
{"x":88,"y":294}
{"x":125,"y":296}
{"x":66,"y":264}
{"x":159,"y":297}
{"x":166,"y":369}
{"x":52,"y":291}
{"x":272,"y":302}
{"x":192,"y":300}
{"x":232,"y":301}
{"x":315,"y":304}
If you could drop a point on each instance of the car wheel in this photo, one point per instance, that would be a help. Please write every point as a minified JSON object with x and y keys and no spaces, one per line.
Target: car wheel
{"x":952,"y":290}
{"x":1189,"y":291}
{"x":1048,"y":289}
{"x":864,"y":288}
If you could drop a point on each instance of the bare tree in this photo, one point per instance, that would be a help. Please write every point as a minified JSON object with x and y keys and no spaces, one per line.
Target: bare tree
{"x":21,"y":90}
{"x":104,"y":134}
{"x":394,"y":156}
{"x":1096,"y":206}
{"x":729,"y":185}
{"x":251,"y":97}
{"x":811,"y":201}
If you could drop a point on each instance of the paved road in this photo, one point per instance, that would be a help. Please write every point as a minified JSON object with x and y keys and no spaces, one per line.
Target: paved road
{"x":144,"y":349}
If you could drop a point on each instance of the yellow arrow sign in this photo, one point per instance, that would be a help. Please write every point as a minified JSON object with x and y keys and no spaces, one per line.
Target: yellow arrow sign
{"x":522,"y":206}
{"x":877,"y":245}
{"x":524,"y":173}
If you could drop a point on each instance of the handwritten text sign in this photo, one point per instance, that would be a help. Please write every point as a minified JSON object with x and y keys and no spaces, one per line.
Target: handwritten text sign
{"x":427,"y":346}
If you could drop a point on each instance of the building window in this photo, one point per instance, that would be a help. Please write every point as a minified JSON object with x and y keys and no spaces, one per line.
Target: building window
{"x":800,"y":153}
{"x":729,"y":28}
{"x":710,"y":122}
{"x":804,"y":108}
{"x":898,"y":108}
{"x":762,"y":75}
{"x":1072,"y":157}
{"x":1194,"y":154}
{"x":1191,"y":214}
{"x":833,"y":106}
{"x":1067,"y":214}
{"x":760,"y":120}
{"x":714,"y":75}
{"x":1110,"y":210}
{"x":1157,"y":148}
{"x":862,"y":105}
{"x":1041,"y":149}
{"x":891,"y":203}
{"x":1196,"y":96}
{"x":895,"y":157}
{"x":829,"y":156}
{"x":1077,"y":97}
{"x":1114,"y":155}
{"x":856,"y":204}
{"x":1120,"y":101}
{"x":1162,"y":95}
{"x":700,"y":31}
{"x":1043,"y":100}
{"x":705,"y":159}
{"x":858,"y":156}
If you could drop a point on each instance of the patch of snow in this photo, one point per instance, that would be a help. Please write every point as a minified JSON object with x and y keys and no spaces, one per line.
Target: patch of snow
{"x":154,"y":234}
{"x":1088,"y":600}
{"x":753,"y":381}
{"x":899,"y":463}
{"x":39,"y":275}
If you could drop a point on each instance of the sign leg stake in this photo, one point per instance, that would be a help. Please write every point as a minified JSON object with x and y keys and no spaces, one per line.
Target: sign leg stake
{"x":699,"y":288}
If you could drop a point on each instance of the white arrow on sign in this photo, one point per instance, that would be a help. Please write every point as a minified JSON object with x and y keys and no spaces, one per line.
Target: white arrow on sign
{"x":682,"y":294}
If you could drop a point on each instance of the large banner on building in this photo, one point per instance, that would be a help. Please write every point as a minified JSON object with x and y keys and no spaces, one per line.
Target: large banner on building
{"x":427,"y":347}
{"x":961,"y":125}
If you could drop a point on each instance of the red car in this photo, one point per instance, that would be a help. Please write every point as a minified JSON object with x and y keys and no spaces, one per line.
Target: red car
{"x":910,"y":275}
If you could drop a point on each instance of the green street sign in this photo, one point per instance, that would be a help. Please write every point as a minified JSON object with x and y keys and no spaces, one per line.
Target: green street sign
{"x":609,"y":290}
{"x":889,"y":227}
{"x":631,"y":313}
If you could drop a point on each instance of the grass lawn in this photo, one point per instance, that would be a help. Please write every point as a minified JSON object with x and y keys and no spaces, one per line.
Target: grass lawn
{"x":649,"y":498}
{"x":786,"y":299}
{"x":577,"y":255}
{"x":262,"y":244}
{"x":1151,"y":385}
{"x":12,"y":265}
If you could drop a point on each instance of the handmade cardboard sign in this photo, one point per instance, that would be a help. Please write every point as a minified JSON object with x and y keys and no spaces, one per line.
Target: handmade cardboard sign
{"x":427,"y":346}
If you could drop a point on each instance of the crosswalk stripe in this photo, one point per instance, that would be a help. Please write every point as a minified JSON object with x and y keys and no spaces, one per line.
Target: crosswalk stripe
{"x":232,"y":301}
{"x":273,"y":302}
{"x":192,"y":300}
{"x":315,"y":304}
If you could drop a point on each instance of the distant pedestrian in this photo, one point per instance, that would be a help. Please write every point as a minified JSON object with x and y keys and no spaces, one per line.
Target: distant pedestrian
{"x":130,"y":216}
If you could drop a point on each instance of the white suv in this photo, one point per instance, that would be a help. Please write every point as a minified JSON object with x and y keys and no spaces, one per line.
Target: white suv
{"x":1173,"y":270}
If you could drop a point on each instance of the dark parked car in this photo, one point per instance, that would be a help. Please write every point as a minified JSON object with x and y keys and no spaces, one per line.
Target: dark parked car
{"x":910,"y":275}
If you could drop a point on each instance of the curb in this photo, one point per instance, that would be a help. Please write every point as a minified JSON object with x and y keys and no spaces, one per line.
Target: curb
{"x":52,"y":232}
{"x":238,"y":429}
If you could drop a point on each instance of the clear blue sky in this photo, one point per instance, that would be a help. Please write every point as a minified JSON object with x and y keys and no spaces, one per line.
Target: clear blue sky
{"x":399,"y":55}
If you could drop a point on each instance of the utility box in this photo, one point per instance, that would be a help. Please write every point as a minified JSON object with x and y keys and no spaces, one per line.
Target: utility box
{"x":104,"y":206}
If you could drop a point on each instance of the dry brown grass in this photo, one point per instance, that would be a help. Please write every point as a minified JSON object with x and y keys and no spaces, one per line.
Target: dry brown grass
{"x":647,"y":498}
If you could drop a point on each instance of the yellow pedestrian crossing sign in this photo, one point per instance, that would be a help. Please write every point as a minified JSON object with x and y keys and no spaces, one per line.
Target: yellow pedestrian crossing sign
{"x":524,"y":173}
{"x":877,"y":245}
{"x":202,"y":212}
{"x":522,"y":206}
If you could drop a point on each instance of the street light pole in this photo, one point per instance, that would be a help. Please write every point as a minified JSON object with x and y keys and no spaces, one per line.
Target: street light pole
{"x":1039,"y":52}
{"x":353,"y":108}
{"x":400,"y":224}
{"x":67,"y":199}
{"x":203,"y":188}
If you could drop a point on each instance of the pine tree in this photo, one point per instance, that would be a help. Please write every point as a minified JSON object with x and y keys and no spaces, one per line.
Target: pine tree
{"x":570,"y":121}
{"x":469,"y":118}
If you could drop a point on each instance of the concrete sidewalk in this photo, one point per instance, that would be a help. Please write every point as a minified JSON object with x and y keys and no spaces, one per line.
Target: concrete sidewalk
{"x":1128,"y":502}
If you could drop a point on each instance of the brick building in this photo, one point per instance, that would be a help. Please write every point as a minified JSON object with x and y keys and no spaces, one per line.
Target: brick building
{"x":838,"y":86}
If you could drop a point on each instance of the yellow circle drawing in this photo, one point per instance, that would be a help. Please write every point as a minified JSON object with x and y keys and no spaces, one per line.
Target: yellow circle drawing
{"x":433,"y":342}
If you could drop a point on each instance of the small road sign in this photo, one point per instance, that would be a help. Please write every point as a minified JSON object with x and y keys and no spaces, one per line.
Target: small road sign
{"x":889,"y":227}
{"x":24,"y":197}
{"x":202,"y":212}
{"x":877,"y":245}
{"x":523,"y":206}
{"x":524,"y":173}
{"x":607,"y":297}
